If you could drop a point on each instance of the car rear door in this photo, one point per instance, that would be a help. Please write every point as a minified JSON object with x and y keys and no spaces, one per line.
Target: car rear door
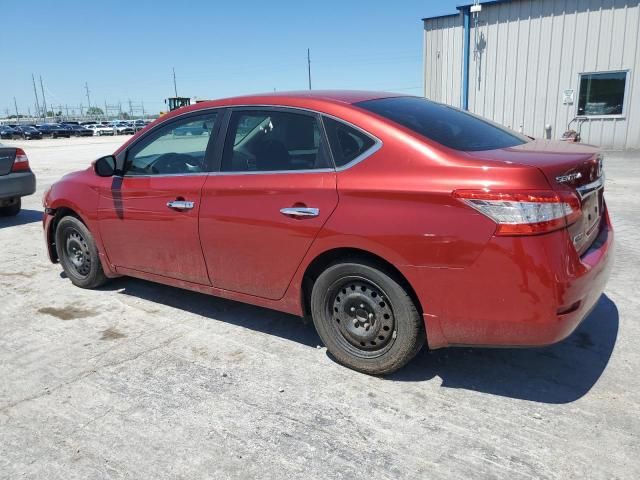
{"x":275,"y":190}
{"x":148,"y":216}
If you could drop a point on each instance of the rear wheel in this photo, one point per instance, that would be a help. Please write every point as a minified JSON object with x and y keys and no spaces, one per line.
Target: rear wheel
{"x":11,"y":210}
{"x":78,"y":253}
{"x":366,"y":318}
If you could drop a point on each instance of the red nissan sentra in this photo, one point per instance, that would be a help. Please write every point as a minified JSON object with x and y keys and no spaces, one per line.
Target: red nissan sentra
{"x":390,"y":220}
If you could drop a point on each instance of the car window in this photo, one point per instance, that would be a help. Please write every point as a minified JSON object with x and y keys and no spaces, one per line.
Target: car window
{"x":448,"y":126}
{"x":177,"y":148}
{"x":346,"y":142}
{"x":273,"y":141}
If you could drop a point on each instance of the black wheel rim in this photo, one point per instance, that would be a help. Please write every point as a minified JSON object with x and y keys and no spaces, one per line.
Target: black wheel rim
{"x":361,"y":316}
{"x":77,"y":251}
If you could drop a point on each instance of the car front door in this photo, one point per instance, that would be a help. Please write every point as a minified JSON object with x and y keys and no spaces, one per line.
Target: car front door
{"x":148,"y":217}
{"x":275,"y":190}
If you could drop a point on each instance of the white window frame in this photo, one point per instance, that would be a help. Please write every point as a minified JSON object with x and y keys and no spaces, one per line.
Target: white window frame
{"x":622,"y":115}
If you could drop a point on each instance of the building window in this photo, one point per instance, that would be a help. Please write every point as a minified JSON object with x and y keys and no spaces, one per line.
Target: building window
{"x":602,"y":94}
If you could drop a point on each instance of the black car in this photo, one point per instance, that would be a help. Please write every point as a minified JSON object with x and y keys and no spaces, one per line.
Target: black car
{"x":16,"y":180}
{"x":28,"y":132}
{"x":8,"y":133}
{"x":53,"y":130}
{"x":78,"y":130}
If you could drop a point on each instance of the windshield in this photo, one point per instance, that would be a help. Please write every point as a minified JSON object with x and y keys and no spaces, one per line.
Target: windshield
{"x":448,"y":126}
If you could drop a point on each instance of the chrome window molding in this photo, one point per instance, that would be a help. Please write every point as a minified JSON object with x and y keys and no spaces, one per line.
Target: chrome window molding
{"x":191,"y":174}
{"x":276,"y":172}
{"x":378,"y":144}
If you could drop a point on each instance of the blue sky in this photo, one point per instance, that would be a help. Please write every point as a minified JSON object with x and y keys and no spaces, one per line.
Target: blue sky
{"x":126,"y":49}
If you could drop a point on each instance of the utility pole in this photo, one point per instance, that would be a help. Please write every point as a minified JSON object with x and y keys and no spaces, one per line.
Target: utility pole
{"x":175,"y":88}
{"x":44,"y":101}
{"x":309,"y":66}
{"x":35,"y":91}
{"x":86,"y":88}
{"x":15,"y":104}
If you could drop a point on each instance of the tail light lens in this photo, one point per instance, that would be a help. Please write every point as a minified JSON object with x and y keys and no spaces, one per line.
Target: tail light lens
{"x":21,"y":162}
{"x":524,"y":212}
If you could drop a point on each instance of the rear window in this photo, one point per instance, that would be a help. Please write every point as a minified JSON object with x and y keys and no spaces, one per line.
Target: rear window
{"x":448,"y":126}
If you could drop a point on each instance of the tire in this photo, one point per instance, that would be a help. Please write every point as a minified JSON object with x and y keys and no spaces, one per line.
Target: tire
{"x":78,"y":253}
{"x":366,"y":318}
{"x":11,"y":210}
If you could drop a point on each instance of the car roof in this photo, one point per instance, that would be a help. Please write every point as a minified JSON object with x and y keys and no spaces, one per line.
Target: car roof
{"x":304,"y":98}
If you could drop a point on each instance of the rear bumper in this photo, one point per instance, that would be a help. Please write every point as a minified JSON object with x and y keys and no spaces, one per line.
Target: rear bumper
{"x":18,"y":184}
{"x":521,"y":291}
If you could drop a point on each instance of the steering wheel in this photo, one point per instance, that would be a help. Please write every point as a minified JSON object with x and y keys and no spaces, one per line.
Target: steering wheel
{"x":172,"y":163}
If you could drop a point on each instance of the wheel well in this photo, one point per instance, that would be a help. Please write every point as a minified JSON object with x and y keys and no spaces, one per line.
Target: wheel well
{"x":339,"y":255}
{"x":51,"y":236}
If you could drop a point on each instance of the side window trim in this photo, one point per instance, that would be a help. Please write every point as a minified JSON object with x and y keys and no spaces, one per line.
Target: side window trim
{"x":209,"y":161}
{"x":224,"y":131}
{"x":377,"y":145}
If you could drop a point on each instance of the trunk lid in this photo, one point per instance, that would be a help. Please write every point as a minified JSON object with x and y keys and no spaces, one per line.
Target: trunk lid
{"x":567,"y":166}
{"x":7,"y":156}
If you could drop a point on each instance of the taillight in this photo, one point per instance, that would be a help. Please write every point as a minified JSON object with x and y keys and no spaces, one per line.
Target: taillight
{"x":21,"y":163}
{"x":524,"y":212}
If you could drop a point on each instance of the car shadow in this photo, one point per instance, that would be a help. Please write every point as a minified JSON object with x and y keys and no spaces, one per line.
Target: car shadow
{"x":560,"y":373}
{"x":290,"y":327}
{"x":25,"y":216}
{"x":556,"y":374}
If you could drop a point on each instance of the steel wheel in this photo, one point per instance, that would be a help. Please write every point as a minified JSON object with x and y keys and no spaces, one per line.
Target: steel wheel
{"x":363,"y":316}
{"x":78,"y":254}
{"x":77,"y":251}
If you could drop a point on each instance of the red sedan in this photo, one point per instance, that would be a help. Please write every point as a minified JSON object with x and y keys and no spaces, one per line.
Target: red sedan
{"x":390,"y":220}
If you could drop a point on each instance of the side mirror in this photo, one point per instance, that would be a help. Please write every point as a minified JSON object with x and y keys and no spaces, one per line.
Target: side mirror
{"x":105,"y":166}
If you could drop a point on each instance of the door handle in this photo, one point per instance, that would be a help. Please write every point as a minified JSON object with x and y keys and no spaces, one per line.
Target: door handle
{"x":300,"y":212}
{"x":181,"y":205}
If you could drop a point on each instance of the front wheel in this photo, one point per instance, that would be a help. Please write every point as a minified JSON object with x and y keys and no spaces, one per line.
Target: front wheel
{"x":78,"y":253}
{"x":366,"y":318}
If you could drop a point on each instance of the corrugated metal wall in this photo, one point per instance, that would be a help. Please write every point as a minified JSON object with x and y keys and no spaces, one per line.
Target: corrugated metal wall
{"x":443,"y":59}
{"x":525,"y":53}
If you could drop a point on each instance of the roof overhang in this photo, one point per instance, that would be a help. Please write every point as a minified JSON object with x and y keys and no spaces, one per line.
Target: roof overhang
{"x":465,"y":6}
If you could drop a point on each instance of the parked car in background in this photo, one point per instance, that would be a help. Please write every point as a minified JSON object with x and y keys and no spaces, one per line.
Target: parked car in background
{"x":100,"y":130}
{"x":53,"y":130}
{"x":196,"y":129}
{"x":137,"y":126}
{"x":388,"y":219}
{"x":16,"y":180}
{"x":8,"y":133}
{"x":122,"y":128}
{"x":28,"y":132}
{"x":79,"y":130}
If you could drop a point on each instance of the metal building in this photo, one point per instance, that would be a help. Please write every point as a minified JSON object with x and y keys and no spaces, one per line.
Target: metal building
{"x":534,"y":65}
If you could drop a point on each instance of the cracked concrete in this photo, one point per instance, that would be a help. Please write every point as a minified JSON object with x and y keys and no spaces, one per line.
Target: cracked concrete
{"x":138,"y":380}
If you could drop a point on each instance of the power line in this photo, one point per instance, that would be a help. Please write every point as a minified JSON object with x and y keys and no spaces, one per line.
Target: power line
{"x":35,"y":91}
{"x":44,"y":101}
{"x":175,"y":88}
{"x":309,"y":66}
{"x":86,"y":87}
